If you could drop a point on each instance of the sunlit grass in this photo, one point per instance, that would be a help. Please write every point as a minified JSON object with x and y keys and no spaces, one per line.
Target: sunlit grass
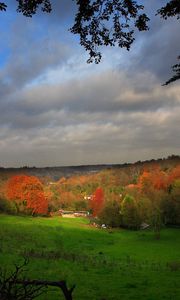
{"x":104,"y":264}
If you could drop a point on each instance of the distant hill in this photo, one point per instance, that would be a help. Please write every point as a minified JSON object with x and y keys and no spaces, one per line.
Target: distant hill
{"x":55,"y":173}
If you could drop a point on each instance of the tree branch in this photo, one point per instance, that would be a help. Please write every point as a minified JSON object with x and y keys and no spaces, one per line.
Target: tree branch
{"x":60,"y":284}
{"x":176,"y":76}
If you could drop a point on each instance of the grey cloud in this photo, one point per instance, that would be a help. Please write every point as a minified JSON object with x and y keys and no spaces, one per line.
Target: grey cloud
{"x":34,"y":48}
{"x":108,"y":92}
{"x":61,"y":129}
{"x":30,"y":60}
{"x":159,"y":49}
{"x":61,"y":11}
{"x":135,"y":137}
{"x":92,"y":99}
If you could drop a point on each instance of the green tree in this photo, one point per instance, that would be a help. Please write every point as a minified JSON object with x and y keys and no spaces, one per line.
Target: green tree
{"x":156,"y":221}
{"x":131,"y":217}
{"x":110,"y":214}
{"x":171,"y":204}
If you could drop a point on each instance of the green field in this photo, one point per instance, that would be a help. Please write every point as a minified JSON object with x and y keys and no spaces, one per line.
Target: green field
{"x":104,"y":264}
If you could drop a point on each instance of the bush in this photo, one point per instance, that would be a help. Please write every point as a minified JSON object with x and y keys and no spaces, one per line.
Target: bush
{"x":7,"y":207}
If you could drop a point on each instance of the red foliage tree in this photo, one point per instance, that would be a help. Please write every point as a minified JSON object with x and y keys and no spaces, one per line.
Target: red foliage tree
{"x":27,"y":191}
{"x":97,"y":201}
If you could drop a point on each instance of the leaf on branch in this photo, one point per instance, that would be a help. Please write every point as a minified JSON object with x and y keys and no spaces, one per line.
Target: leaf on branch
{"x":171,"y":9}
{"x":107,"y":23}
{"x":3,"y":6}
{"x":176,"y":76}
{"x":30,"y":7}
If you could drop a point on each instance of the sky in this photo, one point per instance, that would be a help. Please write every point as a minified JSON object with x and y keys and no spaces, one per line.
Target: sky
{"x":57,"y":110}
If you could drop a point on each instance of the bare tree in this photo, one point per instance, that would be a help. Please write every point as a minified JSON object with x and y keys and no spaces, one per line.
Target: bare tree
{"x":17,"y":287}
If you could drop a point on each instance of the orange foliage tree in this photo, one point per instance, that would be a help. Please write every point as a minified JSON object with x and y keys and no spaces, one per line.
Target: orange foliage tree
{"x":154,"y":178}
{"x":97,"y":201}
{"x":66,"y":199}
{"x":28,"y":194}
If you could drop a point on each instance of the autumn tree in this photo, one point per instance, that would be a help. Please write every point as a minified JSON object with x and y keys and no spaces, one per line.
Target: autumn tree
{"x":155,"y":178}
{"x":66,"y":199}
{"x":27,"y":192}
{"x":49,"y":195}
{"x":97,"y":202}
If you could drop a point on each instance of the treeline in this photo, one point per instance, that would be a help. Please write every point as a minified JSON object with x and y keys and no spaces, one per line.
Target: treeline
{"x":118,"y":197}
{"x":54,"y":173}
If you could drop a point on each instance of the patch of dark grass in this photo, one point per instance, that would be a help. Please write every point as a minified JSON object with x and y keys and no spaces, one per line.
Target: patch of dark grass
{"x":173,"y":266}
{"x":98,"y":261}
{"x":130,"y":286}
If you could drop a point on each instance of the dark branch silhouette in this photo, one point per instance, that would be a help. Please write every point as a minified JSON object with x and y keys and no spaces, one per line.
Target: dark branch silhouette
{"x":44,"y":283}
{"x":3,"y":6}
{"x":29,"y":8}
{"x":176,"y":76}
{"x":16,"y":287}
{"x":109,"y":23}
{"x":171,"y":9}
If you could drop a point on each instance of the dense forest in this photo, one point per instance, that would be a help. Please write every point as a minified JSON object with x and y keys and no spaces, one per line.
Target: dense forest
{"x":127,"y":195}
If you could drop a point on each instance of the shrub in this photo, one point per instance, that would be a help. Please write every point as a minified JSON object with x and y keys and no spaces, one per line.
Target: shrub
{"x":7,"y":207}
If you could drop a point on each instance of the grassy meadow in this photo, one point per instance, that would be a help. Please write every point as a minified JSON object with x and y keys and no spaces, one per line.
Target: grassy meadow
{"x":104,"y":264}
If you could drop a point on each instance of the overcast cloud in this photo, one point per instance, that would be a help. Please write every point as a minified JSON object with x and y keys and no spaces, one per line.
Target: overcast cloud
{"x":57,"y":110}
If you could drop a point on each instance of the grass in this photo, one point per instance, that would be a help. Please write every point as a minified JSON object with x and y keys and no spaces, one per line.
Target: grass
{"x":104,"y":265}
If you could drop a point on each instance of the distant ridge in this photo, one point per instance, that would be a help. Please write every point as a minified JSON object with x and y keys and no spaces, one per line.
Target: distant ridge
{"x":55,"y":173}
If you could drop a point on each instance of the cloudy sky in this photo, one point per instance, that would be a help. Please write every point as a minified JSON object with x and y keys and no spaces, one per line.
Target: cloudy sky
{"x":56,"y":110}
